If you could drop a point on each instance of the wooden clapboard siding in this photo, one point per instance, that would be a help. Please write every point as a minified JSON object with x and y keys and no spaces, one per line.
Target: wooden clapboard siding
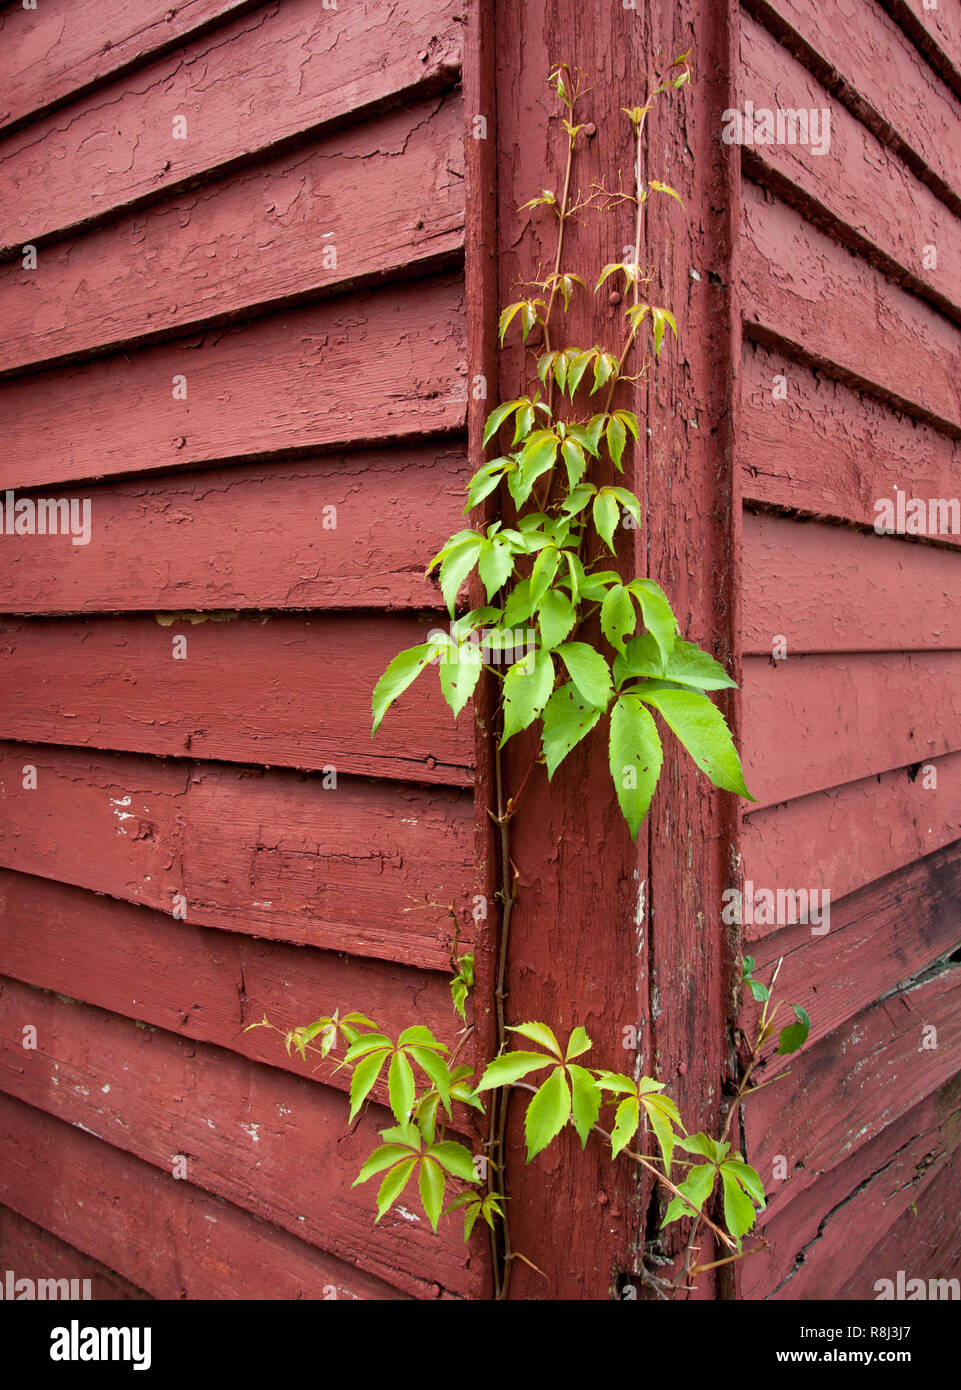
{"x":300,"y":696}
{"x":314,"y":69}
{"x":848,"y":394}
{"x":31,"y":1252}
{"x":163,"y":541}
{"x":271,"y":439}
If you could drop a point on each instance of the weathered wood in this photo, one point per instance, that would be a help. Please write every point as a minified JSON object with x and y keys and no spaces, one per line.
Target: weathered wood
{"x":824,"y":589}
{"x":57,"y":51}
{"x":298,"y":695}
{"x":283,"y":73}
{"x":811,"y":1251}
{"x":936,"y":31}
{"x":831,"y":839}
{"x":33,"y":1253}
{"x":829,"y":451}
{"x":264,"y":853}
{"x":243,"y":1129}
{"x":811,"y":723}
{"x":294,"y":227}
{"x":856,"y":187}
{"x":803,"y":291}
{"x":250,"y":536}
{"x":847,"y":1088}
{"x":175,"y":1239}
{"x":865,"y":60}
{"x":867,"y":952}
{"x":374,"y":366}
{"x":925,"y":1241}
{"x":137,"y":963}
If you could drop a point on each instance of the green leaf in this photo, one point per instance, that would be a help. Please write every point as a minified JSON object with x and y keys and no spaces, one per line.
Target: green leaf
{"x":701,"y":728}
{"x":555,"y":617}
{"x":607,"y":515}
{"x":616,"y":439}
{"x":658,"y":615}
{"x":704,"y":1145}
{"x":575,"y":459}
{"x":456,"y":1158}
{"x":660,"y":318}
{"x":635,"y":759}
{"x":495,"y":565}
{"x":400,"y":1086}
{"x":456,"y":566}
{"x":384,"y":1157}
{"x":738,"y":1207}
{"x":618,"y":618}
{"x":362,"y":1081}
{"x":698,"y":1186}
{"x":567,"y":719}
{"x":402,"y":672}
{"x":578,"y":1043}
{"x":577,"y":369}
{"x":585,"y":1101}
{"x":500,"y":413}
{"x":501,"y":1071}
{"x":436,"y":1069}
{"x":794,"y":1036}
{"x":688,"y":665}
{"x":665,"y":188}
{"x":420,"y":1035}
{"x":748,"y":1179}
{"x":537,"y":457}
{"x":543,"y":572}
{"x":527,"y":688}
{"x":458,"y":678}
{"x":431,"y":1184}
{"x":547,"y":1113}
{"x":523,"y":421}
{"x":540,"y":1034}
{"x":393,"y":1185}
{"x":589,"y":671}
{"x":662,"y":1115}
{"x":626,"y":1120}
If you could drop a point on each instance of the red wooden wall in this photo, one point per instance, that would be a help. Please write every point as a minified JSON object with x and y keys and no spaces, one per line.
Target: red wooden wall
{"x":844,"y":304}
{"x":298,"y":259}
{"x":316,"y":381}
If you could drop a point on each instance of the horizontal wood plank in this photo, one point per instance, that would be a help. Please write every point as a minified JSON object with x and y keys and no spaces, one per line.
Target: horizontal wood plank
{"x":292,"y":228}
{"x":143,"y":965}
{"x":823,"y":587}
{"x":57,"y":50}
{"x":801,"y":288}
{"x":820,"y":448}
{"x":856,"y":185}
{"x":859,"y":52}
{"x":299,"y":692}
{"x":846,"y":837}
{"x":33,"y":1253}
{"x":925,"y":1241}
{"x":249,"y":537}
{"x":866,"y":951}
{"x":281,"y":73}
{"x":813,"y":722}
{"x":811,"y":1252}
{"x":250,"y":1133}
{"x":846,"y":1089}
{"x":935,"y":30}
{"x":175,"y":1239}
{"x":366,"y":868}
{"x":379,"y":365}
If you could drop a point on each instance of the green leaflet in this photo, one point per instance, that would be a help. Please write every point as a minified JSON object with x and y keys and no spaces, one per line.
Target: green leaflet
{"x":635,"y":758}
{"x":527,"y":688}
{"x":567,"y":719}
{"x":701,"y":728}
{"x":547,"y":1113}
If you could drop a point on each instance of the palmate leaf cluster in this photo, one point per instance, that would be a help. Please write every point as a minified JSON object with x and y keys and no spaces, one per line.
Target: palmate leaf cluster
{"x":544,"y":576}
